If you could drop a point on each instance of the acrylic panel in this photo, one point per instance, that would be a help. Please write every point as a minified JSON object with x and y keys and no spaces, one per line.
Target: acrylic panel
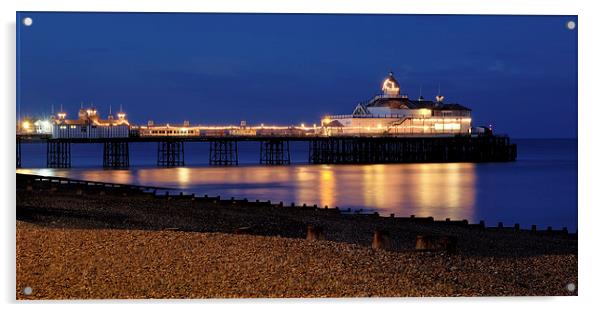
{"x":217,"y":155}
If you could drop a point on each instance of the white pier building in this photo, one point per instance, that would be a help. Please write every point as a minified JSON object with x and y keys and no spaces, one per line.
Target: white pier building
{"x":90,"y":126}
{"x":392,"y":112}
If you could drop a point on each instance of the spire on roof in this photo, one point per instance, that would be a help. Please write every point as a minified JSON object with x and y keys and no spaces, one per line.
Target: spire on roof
{"x":121,"y":114}
{"x":110,"y":116}
{"x":390,"y":86}
{"x":61,"y":114}
{"x":439,"y":98}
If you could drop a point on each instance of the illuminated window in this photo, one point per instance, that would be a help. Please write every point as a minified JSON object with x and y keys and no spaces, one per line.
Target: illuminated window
{"x":447,"y":126}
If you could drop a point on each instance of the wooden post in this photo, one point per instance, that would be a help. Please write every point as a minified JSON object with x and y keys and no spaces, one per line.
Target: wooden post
{"x":315,"y":233}
{"x":422,"y":242}
{"x":381,"y":240}
{"x":449,"y":244}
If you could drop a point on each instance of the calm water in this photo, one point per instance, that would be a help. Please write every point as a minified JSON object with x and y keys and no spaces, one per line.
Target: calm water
{"x":539,"y":188}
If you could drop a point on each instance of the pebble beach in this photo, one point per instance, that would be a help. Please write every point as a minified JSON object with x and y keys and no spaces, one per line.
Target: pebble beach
{"x":77,"y":242}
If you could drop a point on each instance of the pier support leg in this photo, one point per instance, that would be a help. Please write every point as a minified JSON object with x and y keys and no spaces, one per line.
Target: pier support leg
{"x":275,"y":152}
{"x":116,"y":154}
{"x":320,"y":151}
{"x":18,"y":152}
{"x":170,"y":154}
{"x":223,"y":153}
{"x":58,"y":154}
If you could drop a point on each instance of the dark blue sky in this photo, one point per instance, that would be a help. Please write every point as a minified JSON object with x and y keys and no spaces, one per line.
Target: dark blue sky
{"x":518,"y":73}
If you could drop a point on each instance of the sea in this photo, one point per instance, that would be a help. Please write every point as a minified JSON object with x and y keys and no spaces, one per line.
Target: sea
{"x":539,"y":188}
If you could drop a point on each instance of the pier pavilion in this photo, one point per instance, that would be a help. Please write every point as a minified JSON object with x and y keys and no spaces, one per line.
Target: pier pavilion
{"x":88,"y":125}
{"x":394,"y":113}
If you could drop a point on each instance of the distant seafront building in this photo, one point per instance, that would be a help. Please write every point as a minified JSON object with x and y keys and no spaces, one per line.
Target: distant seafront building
{"x":90,"y":126}
{"x":392,"y":112}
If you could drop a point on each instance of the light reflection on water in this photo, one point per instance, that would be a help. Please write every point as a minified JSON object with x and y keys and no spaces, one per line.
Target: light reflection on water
{"x":539,"y":188}
{"x":438,"y":190}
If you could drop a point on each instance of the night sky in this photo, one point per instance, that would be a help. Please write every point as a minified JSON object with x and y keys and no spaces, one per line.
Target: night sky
{"x":518,"y":73}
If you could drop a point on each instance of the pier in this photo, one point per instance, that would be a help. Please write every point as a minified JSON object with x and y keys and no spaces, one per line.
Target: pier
{"x":389,"y":128}
{"x":275,"y":150}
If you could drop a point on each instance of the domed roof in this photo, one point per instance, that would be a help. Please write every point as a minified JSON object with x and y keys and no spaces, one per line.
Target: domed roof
{"x":390,"y":85}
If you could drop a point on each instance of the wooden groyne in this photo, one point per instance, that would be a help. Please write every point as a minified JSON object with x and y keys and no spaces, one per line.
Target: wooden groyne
{"x":33,"y":183}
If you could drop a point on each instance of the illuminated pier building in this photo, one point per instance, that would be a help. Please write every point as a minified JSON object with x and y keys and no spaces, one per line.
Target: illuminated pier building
{"x":90,"y":126}
{"x":389,"y":113}
{"x":392,"y":112}
{"x":188,"y":130}
{"x":390,"y":128}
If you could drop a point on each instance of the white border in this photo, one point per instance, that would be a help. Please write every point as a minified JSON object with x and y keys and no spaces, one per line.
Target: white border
{"x":589,"y":148}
